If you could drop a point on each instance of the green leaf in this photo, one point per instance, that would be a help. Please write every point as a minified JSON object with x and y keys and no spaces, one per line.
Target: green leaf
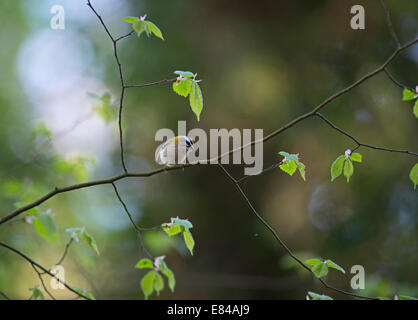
{"x":130,"y":19}
{"x":169,"y":274}
{"x":139,"y":26}
{"x":184,"y":74}
{"x":383,"y":298}
{"x":196,"y":99}
{"x":415,"y":110}
{"x":182,"y":222}
{"x":316,"y":296}
{"x":337,"y":167}
{"x":37,"y":293}
{"x":183,"y":87}
{"x":408,"y":95}
{"x":42,"y":130}
{"x":313,"y":262}
{"x":289,"y":167}
{"x":154,"y":29}
{"x":172,"y":229}
{"x":301,"y":168}
{"x":356,"y":157}
{"x":147,"y":283}
{"x":406,"y":298}
{"x":320,"y":270}
{"x":45,"y":226}
{"x":158,"y":283}
{"x":188,"y":239}
{"x":84,"y":292}
{"x":90,"y":240}
{"x":144,"y":264}
{"x":413,"y":175}
{"x":348,"y":169}
{"x":332,"y":264}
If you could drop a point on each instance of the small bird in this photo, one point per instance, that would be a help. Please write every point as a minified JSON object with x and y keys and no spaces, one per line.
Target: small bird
{"x":174,"y":151}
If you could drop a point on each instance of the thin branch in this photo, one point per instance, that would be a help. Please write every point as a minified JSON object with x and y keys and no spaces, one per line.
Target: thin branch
{"x":397,"y":82}
{"x":67,"y":246}
{"x":359,"y":144}
{"x":279,"y":240}
{"x":392,"y":30}
{"x":151,"y":83}
{"x":5,"y":296}
{"x":126,"y":35}
{"x":34,"y":263}
{"x":273,"y":166}
{"x":137,"y":228}
{"x":42,"y":281}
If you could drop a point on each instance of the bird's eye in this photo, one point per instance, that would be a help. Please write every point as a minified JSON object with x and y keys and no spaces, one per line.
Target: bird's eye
{"x":188,"y":143}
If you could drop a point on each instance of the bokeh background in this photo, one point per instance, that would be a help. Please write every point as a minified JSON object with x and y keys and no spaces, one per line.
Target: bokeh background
{"x":262,"y":63}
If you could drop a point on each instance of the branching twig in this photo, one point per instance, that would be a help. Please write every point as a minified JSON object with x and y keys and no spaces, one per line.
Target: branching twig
{"x":5,"y":296}
{"x":151,"y":83}
{"x":397,"y":82}
{"x":34,"y":263}
{"x":278,"y":239}
{"x":42,"y":282}
{"x":67,"y":246}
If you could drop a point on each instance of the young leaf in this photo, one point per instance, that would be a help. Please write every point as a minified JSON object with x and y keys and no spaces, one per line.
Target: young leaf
{"x":406,"y":298}
{"x":37,"y":293}
{"x":356,"y":157}
{"x":144,"y":264}
{"x":158,"y":283}
{"x":130,"y":19}
{"x":90,"y":240}
{"x":139,"y":26}
{"x":182,"y":222}
{"x":84,"y":292}
{"x":320,"y":270}
{"x":147,"y":283}
{"x":316,"y":296}
{"x":45,"y":226}
{"x":289,"y":167}
{"x":337,"y":167}
{"x":332,"y":264}
{"x":413,"y":175}
{"x":184,"y":74}
{"x":188,"y":239}
{"x":196,"y":99}
{"x":301,"y":168}
{"x":348,"y":169}
{"x":154,"y":29}
{"x":171,"y":229}
{"x":415,"y":110}
{"x":408,"y":95}
{"x":182,"y":87}
{"x":169,"y":274}
{"x":313,"y":262}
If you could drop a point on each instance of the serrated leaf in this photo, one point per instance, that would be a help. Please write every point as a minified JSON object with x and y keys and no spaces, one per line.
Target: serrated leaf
{"x":184,"y":74}
{"x":337,"y":167}
{"x":320,"y":270}
{"x":45,"y":226}
{"x":413,"y":175}
{"x":196,"y":99}
{"x":144,"y":264}
{"x":356,"y":157}
{"x":408,"y":95}
{"x":91,"y":241}
{"x":348,"y":169}
{"x":183,"y":87}
{"x":317,"y":296}
{"x":332,"y":264}
{"x":139,"y":26}
{"x":158,"y":283}
{"x":130,"y":19}
{"x":313,"y":262}
{"x":154,"y":29}
{"x":147,"y":283}
{"x":188,"y":239}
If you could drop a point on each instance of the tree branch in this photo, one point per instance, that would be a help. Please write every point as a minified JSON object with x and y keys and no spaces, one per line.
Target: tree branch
{"x":392,"y":30}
